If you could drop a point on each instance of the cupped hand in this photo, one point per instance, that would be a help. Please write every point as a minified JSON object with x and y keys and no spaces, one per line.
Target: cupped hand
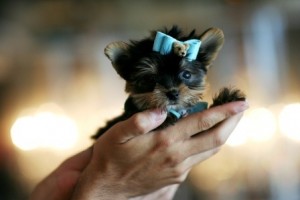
{"x":131,"y":159}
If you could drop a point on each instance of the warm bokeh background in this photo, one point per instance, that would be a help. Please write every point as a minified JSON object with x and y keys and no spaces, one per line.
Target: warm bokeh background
{"x":57,"y":87}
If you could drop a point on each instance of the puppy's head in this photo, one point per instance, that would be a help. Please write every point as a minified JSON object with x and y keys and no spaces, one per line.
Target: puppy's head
{"x":166,"y":81}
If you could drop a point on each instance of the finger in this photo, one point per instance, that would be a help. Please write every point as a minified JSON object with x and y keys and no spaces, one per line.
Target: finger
{"x":212,"y":138}
{"x":193,"y":160}
{"x":185,"y":166}
{"x":202,"y":121}
{"x":77,"y":162}
{"x":138,"y":124}
{"x":182,"y":169}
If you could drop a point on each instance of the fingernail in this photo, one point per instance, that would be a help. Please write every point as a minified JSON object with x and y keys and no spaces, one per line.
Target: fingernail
{"x":244,"y":105}
{"x":159,"y":114}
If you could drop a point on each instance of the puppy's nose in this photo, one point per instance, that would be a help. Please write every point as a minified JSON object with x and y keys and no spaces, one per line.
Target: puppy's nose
{"x":173,"y":95}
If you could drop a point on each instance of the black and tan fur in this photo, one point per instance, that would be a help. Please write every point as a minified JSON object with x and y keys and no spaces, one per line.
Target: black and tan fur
{"x":165,"y":81}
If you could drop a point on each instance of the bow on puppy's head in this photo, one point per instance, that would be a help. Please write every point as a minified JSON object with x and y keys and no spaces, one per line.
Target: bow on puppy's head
{"x":165,"y":44}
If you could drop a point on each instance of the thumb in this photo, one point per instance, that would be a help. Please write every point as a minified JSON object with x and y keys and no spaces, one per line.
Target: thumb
{"x":138,"y":124}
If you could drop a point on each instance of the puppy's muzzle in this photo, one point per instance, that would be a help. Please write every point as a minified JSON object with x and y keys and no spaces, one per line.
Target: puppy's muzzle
{"x":173,"y":95}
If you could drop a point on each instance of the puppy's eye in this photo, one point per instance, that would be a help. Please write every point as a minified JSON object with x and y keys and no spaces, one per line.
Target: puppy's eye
{"x":185,"y":75}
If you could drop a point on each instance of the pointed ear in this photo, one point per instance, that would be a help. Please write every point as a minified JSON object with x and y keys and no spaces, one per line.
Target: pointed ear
{"x":118,"y":54}
{"x":211,"y":42}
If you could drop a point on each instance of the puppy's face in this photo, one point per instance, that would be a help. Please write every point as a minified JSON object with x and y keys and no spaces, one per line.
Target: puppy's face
{"x":164,"y":81}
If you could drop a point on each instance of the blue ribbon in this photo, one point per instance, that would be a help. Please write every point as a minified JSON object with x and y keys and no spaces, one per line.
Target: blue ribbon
{"x":163,"y":44}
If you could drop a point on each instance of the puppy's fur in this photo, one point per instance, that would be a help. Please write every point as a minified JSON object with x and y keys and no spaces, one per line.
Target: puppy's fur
{"x":165,"y":81}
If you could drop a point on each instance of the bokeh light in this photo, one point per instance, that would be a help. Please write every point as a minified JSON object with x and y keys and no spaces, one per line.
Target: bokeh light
{"x":263,"y":124}
{"x":44,"y":129}
{"x":289,"y":121}
{"x":258,"y":125}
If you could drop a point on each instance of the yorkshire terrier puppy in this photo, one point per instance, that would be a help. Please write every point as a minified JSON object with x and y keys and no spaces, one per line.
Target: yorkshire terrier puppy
{"x":168,"y":71}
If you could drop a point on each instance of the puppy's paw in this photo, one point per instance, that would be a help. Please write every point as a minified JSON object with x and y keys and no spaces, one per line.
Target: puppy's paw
{"x":227,"y":95}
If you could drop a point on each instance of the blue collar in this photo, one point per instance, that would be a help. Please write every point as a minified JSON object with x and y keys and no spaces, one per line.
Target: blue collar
{"x":183,"y":112}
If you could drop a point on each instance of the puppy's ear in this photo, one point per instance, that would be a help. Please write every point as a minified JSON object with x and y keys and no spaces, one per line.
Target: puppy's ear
{"x":118,"y":54}
{"x":211,"y":42}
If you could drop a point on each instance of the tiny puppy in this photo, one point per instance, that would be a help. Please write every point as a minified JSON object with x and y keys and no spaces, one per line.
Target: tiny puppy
{"x":168,"y":71}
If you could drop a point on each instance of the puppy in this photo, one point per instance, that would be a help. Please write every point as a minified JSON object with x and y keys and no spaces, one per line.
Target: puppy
{"x":158,"y":77}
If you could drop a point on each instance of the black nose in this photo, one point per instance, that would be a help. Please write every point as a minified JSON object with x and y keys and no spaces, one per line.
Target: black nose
{"x":173,"y":95}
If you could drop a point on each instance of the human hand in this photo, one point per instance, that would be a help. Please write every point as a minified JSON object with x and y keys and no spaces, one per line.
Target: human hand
{"x":131,"y":160}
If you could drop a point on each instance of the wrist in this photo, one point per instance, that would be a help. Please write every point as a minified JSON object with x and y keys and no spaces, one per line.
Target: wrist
{"x":93,"y":185}
{"x":99,"y":194}
{"x":96,"y":191}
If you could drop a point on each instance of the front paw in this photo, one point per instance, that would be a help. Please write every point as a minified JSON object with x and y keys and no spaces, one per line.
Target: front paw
{"x":227,"y":95}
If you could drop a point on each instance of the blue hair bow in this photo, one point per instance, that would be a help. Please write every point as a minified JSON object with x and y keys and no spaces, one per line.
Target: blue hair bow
{"x":163,"y":44}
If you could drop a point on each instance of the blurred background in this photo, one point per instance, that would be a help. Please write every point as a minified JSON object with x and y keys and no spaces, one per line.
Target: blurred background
{"x":57,"y":88}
